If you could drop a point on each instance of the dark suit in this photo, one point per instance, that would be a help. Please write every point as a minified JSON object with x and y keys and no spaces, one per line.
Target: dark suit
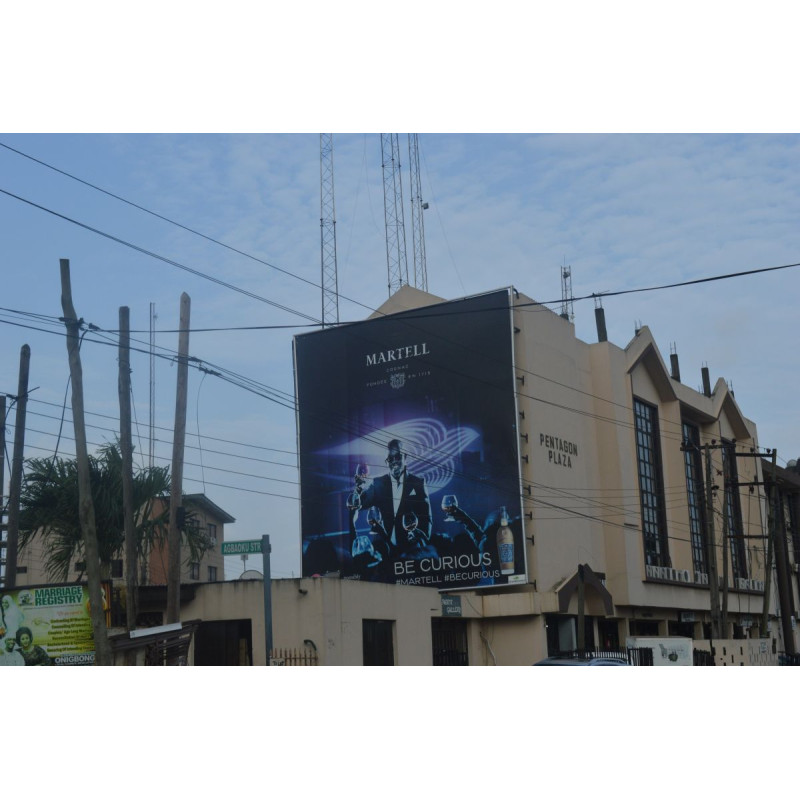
{"x":414,"y":498}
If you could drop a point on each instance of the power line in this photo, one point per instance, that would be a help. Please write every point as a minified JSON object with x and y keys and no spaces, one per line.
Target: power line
{"x":166,"y":260}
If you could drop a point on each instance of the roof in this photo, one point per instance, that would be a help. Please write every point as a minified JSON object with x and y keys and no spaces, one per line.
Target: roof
{"x":201,"y":501}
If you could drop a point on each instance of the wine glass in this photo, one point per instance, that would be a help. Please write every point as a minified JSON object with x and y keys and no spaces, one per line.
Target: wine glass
{"x":362,"y":545}
{"x":362,"y":474}
{"x":449,"y":502}
{"x":374,"y":516}
{"x":354,"y":501}
{"x":410,"y":522}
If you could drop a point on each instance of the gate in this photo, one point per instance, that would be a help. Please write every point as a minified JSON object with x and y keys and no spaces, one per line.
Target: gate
{"x":449,"y":639}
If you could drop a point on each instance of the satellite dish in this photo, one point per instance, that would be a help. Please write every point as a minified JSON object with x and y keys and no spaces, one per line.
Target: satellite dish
{"x":792,"y":463}
{"x":251,"y":574}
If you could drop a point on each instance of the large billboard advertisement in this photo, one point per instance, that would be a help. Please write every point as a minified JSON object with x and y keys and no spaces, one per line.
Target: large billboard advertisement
{"x":47,"y":625}
{"x":407,"y":433}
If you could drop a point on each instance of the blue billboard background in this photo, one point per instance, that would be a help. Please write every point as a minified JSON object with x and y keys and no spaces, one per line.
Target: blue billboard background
{"x":403,"y":411}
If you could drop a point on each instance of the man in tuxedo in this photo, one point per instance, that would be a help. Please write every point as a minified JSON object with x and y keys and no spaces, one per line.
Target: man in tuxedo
{"x":395,"y":494}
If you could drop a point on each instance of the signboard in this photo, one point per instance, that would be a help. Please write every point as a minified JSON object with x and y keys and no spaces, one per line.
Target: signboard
{"x":47,"y":625}
{"x":451,"y":605}
{"x":407,"y":433}
{"x":245,"y":547}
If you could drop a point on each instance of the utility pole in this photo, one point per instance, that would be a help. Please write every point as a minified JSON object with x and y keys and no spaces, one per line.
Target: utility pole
{"x":15,"y":486}
{"x":86,"y":505}
{"x":581,"y":612}
{"x":725,"y":546}
{"x":178,"y":442}
{"x":126,"y":448}
{"x":773,"y":518}
{"x":711,"y":548}
{"x":3,"y":527}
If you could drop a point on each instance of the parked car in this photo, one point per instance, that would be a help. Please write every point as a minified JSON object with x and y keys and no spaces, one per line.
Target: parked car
{"x":596,"y":661}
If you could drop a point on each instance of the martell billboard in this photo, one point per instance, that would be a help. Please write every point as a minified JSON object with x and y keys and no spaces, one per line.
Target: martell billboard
{"x":407,"y":434}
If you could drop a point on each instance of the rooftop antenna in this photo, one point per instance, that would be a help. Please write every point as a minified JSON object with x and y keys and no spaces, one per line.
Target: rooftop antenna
{"x":417,"y":207}
{"x":327,"y":225}
{"x":396,"y":261}
{"x":567,"y":311}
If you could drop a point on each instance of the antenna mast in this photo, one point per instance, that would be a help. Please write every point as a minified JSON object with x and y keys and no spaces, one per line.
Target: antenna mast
{"x":417,"y":207}
{"x":327,"y":225}
{"x":567,"y":311}
{"x":393,"y":212}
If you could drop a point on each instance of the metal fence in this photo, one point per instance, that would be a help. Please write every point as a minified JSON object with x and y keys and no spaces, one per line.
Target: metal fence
{"x":636,"y":656}
{"x":287,"y":657}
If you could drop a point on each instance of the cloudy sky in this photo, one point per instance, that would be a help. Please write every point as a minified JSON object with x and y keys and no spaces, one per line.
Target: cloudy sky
{"x":623,"y":211}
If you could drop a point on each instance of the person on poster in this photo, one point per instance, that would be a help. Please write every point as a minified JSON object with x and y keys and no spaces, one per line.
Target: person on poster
{"x":9,"y":655}
{"x":32,"y":654}
{"x":396,"y":494}
{"x":12,"y":616}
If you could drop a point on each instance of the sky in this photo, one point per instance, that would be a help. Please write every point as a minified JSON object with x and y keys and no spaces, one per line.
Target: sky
{"x":640,"y":144}
{"x":623,"y":211}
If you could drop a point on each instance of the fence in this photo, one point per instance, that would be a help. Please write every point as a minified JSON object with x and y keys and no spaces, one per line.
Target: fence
{"x":636,"y":656}
{"x":286,"y":657}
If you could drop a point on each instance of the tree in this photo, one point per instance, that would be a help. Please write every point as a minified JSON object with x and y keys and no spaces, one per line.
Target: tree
{"x":49,"y":511}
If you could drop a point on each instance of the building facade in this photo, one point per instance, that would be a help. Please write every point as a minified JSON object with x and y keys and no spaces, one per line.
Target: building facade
{"x":643,"y":504}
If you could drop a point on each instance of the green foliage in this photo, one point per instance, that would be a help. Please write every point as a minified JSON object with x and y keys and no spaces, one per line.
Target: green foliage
{"x":49,"y":510}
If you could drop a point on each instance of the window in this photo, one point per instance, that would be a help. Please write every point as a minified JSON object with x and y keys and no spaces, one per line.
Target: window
{"x":116,"y":568}
{"x":212,"y":574}
{"x":378,"y":640}
{"x":651,"y":484}
{"x":194,"y":570}
{"x":733,"y":511}
{"x":695,"y":495}
{"x":212,"y":533}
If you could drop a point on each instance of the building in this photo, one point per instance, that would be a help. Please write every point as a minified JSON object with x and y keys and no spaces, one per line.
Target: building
{"x":622,"y":537}
{"x":200,"y":513}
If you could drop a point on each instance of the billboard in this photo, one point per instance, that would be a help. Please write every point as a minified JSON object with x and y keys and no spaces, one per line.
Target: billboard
{"x":407,"y":434}
{"x":47,"y":625}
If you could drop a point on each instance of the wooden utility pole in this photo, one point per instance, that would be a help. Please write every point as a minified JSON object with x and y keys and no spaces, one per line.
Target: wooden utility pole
{"x":15,"y":485}
{"x":581,"y":612}
{"x":126,"y":448}
{"x":86,"y":505}
{"x":178,"y":442}
{"x":3,"y":527}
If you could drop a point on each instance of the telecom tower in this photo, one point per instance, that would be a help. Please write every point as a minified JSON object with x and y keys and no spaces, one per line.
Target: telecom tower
{"x":327,"y":224}
{"x":417,"y":207}
{"x":567,"y":311}
{"x":393,"y":212}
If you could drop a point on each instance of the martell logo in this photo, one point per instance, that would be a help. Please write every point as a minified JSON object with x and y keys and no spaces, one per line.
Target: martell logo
{"x":398,"y":354}
{"x":397,"y":380}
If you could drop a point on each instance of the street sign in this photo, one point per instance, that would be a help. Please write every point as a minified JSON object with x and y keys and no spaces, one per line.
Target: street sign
{"x":241,"y":548}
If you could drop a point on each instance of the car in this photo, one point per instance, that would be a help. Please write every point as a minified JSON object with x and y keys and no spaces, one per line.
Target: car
{"x":595,"y":661}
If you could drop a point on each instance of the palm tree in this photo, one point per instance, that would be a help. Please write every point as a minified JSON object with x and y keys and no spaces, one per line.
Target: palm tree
{"x":49,"y":510}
